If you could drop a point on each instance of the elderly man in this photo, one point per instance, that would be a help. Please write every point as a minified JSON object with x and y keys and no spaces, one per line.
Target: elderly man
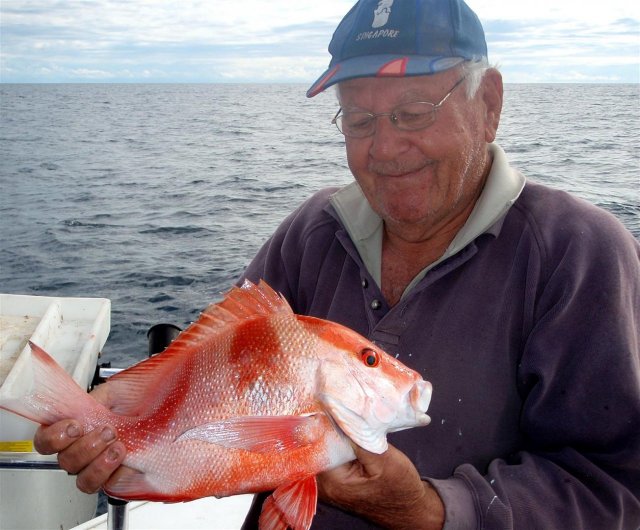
{"x":519,"y":303}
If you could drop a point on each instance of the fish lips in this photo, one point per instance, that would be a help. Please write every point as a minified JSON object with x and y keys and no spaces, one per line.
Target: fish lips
{"x":420,"y":395}
{"x":417,"y":401}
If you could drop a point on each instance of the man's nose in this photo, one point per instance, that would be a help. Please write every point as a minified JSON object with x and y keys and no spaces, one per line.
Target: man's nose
{"x":387,"y":141}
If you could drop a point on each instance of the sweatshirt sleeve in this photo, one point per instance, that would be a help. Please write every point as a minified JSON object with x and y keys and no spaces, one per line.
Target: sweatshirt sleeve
{"x":579,"y":466}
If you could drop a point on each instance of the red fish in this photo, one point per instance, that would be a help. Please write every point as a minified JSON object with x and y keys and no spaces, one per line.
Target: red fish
{"x":249,"y":398}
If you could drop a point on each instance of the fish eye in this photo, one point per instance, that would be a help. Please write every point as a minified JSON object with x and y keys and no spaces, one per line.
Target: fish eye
{"x":370,"y":358}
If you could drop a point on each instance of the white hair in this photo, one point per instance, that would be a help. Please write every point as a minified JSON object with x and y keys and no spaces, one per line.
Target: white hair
{"x":474,"y":71}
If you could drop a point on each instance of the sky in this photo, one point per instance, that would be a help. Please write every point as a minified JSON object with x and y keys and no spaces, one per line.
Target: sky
{"x":211,"y":41}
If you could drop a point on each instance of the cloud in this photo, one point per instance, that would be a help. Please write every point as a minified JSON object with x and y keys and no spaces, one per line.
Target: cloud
{"x":280,"y":40}
{"x":190,"y":41}
{"x":565,"y":50}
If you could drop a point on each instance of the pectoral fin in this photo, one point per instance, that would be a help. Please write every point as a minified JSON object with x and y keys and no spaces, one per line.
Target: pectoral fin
{"x":290,"y":506}
{"x":260,"y":434}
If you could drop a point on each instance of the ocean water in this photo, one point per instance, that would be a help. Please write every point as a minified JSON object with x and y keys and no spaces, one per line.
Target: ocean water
{"x":157,"y":196}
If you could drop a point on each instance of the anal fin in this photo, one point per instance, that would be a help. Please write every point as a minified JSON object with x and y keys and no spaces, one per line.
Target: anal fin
{"x":129,"y":485}
{"x":290,"y":506}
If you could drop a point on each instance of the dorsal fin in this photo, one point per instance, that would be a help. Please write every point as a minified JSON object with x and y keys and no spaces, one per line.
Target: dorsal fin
{"x":137,"y":389}
{"x":251,"y":300}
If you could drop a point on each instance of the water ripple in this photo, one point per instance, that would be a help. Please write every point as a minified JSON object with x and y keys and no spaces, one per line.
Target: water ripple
{"x":144,"y":195}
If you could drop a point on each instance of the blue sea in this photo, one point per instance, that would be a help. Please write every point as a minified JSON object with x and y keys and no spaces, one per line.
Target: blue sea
{"x":157,"y":196}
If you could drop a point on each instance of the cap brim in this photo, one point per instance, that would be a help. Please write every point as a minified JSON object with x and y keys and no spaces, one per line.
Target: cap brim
{"x":382,"y":66}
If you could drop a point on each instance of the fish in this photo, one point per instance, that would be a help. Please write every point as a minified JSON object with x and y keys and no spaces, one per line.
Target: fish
{"x":249,"y":398}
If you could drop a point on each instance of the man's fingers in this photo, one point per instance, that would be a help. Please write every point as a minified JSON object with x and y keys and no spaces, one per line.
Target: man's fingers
{"x":93,"y":457}
{"x":56,"y":437}
{"x":98,"y":472}
{"x":83,"y":451}
{"x":60,"y":435}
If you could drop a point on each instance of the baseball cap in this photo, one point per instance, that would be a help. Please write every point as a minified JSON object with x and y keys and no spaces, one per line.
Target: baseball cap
{"x":398,"y":38}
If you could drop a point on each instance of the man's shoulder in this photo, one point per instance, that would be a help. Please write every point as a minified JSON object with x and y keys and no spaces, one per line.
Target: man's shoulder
{"x":557,"y":214}
{"x":565,"y":229}
{"x":318,"y":201}
{"x":314,"y":214}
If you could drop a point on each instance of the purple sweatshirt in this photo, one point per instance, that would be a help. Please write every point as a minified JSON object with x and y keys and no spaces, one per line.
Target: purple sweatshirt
{"x":530,"y":337}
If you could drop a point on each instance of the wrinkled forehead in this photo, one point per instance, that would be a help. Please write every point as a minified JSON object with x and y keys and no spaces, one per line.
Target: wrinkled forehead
{"x":374,"y":91}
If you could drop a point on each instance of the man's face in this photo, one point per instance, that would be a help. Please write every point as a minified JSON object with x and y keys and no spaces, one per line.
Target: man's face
{"x":421,"y":182}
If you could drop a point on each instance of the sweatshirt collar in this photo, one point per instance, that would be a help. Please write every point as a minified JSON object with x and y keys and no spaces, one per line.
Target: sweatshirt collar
{"x":365,"y":228}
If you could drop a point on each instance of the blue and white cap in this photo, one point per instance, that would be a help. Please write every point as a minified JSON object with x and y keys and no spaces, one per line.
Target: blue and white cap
{"x":397,"y":38}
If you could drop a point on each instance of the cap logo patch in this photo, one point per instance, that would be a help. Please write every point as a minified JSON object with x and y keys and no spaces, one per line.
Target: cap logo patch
{"x":381,"y":13}
{"x":380,"y":19}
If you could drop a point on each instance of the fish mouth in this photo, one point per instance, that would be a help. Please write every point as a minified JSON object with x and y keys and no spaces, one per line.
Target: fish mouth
{"x":415,"y":403}
{"x":420,"y":398}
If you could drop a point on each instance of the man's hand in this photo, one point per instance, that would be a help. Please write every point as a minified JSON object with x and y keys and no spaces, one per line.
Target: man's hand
{"x":93,"y":456}
{"x":385,"y":489}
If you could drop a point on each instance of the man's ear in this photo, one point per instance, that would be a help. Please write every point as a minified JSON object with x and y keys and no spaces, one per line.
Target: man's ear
{"x":492,"y":92}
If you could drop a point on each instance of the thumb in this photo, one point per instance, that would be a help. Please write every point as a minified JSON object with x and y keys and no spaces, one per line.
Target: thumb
{"x":105,"y":394}
{"x":372,"y":463}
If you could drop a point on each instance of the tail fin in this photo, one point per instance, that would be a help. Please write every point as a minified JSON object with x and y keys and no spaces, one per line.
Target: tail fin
{"x":54,"y":394}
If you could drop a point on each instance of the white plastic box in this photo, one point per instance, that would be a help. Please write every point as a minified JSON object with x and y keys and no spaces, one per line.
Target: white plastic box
{"x":73,"y":331}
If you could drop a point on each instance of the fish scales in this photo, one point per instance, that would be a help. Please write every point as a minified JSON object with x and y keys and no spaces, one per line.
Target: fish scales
{"x":249,"y":398}
{"x":272,"y":357}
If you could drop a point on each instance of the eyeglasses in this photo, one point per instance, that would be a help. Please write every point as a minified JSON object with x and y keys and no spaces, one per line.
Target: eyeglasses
{"x":406,"y":117}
